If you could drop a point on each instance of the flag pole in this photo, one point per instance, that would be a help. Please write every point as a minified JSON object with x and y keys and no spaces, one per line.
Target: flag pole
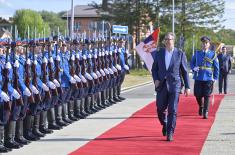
{"x":173,"y":16}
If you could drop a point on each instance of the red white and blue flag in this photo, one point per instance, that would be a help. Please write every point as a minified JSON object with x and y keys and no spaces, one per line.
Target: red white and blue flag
{"x":145,"y":49}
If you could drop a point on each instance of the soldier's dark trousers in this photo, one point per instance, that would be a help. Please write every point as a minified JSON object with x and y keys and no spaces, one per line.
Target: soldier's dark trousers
{"x":10,"y":135}
{"x":28,"y":128}
{"x":19,"y":133}
{"x":36,"y":126}
{"x":43,"y":123}
{"x":2,"y":147}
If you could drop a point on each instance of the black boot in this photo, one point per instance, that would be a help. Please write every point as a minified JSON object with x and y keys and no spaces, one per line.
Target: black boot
{"x":199,"y":102}
{"x":28,"y":125}
{"x":19,"y":133}
{"x":36,"y":131}
{"x":65,"y":114}
{"x":10,"y":136}
{"x":3,"y":149}
{"x":71,"y":111}
{"x":115,"y":97}
{"x":87,"y":105}
{"x":83,"y":114}
{"x":42,"y":124}
{"x":77,"y":108}
{"x":111,"y":96}
{"x":51,"y":120}
{"x":206,"y":107}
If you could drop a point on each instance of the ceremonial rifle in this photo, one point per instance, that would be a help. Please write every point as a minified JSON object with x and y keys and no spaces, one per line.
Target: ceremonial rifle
{"x":27,"y":75}
{"x":5,"y":73}
{"x":51,"y":71}
{"x":37,"y":97}
{"x":44,"y":75}
{"x":16,"y":76}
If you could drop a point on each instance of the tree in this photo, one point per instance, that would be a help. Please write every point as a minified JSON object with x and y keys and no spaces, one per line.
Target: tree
{"x":54,"y":21}
{"x":28,"y":18}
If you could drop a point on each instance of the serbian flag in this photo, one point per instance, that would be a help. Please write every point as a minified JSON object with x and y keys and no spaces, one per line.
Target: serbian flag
{"x":145,"y":49}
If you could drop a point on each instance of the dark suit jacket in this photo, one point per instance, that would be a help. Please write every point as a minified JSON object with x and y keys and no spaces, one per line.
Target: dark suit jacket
{"x":178,"y":65}
{"x":224,"y":63}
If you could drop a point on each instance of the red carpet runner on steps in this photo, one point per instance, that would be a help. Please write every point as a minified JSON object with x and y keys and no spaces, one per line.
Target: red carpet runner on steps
{"x":141,"y":133}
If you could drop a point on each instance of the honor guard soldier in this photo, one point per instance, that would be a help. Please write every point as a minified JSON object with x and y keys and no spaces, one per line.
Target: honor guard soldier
{"x":122,"y":56}
{"x":225,"y":64}
{"x":205,"y":67}
{"x":4,"y":100}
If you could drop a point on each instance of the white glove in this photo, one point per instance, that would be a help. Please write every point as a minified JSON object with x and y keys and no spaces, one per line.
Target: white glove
{"x":51,"y":60}
{"x":110,"y":70}
{"x":51,"y":85}
{"x":8,"y":65}
{"x":27,"y":92}
{"x":15,"y":94}
{"x":94,"y":75}
{"x":72,"y":80}
{"x":34,"y":89}
{"x":98,"y":73}
{"x":88,"y":76}
{"x":118,"y":67}
{"x":77,"y":78}
{"x":126,"y":67}
{"x":102,"y":72}
{"x":196,"y":69}
{"x":44,"y":60}
{"x":44,"y":87}
{"x":114,"y":69}
{"x":56,"y":83}
{"x":83,"y":79}
{"x":106,"y":71}
{"x":4,"y":96}
{"x":16,"y":64}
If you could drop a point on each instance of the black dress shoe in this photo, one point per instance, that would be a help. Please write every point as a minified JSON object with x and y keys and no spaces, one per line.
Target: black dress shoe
{"x":164,"y":132}
{"x":67,"y":120}
{"x":205,"y":115}
{"x":30,"y":136}
{"x":200,"y":111}
{"x":45,"y":130}
{"x":4,"y":149}
{"x":54,"y":127}
{"x":12,"y":144}
{"x":112,"y":101}
{"x":121,"y":98}
{"x":22,"y":140}
{"x":72,"y":118}
{"x":169,"y":138}
{"x":38,"y":133}
{"x":61,"y":123}
{"x":116,"y":99}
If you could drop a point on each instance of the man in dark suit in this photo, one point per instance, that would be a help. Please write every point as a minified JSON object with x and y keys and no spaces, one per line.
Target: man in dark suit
{"x":225,"y":69}
{"x":169,"y":64}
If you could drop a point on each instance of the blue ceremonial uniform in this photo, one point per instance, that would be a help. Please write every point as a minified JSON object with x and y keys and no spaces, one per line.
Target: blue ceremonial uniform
{"x":205,"y":67}
{"x":208,"y":71}
{"x":208,"y":66}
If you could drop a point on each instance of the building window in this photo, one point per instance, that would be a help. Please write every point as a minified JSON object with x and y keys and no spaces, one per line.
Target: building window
{"x":77,"y":26}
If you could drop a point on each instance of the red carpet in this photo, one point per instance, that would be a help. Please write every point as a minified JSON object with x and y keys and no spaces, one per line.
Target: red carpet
{"x":141,"y":133}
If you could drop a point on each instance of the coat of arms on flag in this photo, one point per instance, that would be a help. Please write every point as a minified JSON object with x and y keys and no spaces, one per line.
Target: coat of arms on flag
{"x":145,"y":49}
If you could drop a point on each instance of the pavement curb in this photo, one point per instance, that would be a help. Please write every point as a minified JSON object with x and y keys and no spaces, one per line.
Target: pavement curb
{"x":135,"y":86}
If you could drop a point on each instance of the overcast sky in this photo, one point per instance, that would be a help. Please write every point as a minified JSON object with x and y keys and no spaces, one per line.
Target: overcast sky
{"x":8,"y":7}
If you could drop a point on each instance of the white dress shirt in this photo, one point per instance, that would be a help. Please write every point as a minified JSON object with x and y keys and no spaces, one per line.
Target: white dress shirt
{"x":168,"y":56}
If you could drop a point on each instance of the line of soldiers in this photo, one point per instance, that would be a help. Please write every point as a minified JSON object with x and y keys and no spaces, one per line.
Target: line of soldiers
{"x":47,"y":84}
